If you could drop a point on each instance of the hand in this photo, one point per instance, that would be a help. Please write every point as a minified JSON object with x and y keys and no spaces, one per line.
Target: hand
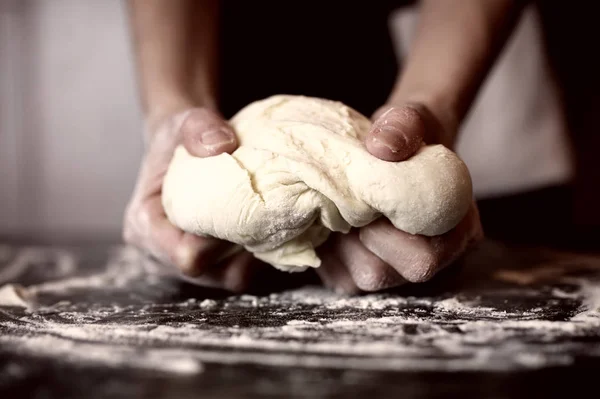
{"x":433,"y":101}
{"x":204,"y":133}
{"x":379,"y":256}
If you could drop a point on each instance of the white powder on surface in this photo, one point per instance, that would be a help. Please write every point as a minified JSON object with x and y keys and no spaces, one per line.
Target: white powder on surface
{"x":208,"y":303}
{"x":328,"y":300}
{"x":162,"y":360}
{"x":591,"y":302}
{"x":374,"y":343}
{"x":62,"y":260}
{"x":13,"y":295}
{"x":124,"y":266}
{"x":308,"y":327}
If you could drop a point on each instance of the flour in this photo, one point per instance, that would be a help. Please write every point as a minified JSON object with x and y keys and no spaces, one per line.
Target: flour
{"x":208,"y":303}
{"x":308,"y":327}
{"x":161,"y":360}
{"x":454,"y":306}
{"x":13,"y":295}
{"x":373,"y":343}
{"x":62,"y":261}
{"x":124,"y":265}
{"x":318,"y":297}
{"x":394,"y":341}
{"x":591,"y":303}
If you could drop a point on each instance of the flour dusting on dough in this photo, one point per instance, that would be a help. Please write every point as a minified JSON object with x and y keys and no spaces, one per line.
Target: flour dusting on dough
{"x":301,"y":171}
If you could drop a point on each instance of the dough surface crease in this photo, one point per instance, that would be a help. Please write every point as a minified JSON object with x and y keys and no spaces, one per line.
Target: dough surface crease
{"x":302,"y":171}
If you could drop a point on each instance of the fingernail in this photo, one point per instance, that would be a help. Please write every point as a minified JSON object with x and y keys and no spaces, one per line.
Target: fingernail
{"x":400,"y":131}
{"x":217,"y":137}
{"x":388,"y":136}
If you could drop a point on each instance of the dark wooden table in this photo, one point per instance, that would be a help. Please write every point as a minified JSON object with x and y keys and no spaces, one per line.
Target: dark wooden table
{"x":100,"y":321}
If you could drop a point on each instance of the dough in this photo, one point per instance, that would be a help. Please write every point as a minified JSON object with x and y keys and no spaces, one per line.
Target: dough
{"x":14,"y":295}
{"x":302,"y":171}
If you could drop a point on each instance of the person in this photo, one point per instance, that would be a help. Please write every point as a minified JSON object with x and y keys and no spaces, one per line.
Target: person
{"x":178,"y":47}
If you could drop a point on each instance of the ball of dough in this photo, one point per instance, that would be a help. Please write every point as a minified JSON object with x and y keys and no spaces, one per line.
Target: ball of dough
{"x":302,"y":171}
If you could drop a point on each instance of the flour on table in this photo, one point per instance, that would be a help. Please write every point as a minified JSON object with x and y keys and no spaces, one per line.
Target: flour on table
{"x":163,"y":360}
{"x":123,"y":316}
{"x":374,"y":332}
{"x":13,"y":295}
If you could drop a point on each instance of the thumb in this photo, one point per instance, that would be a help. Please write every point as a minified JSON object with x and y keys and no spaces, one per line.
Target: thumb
{"x":205,"y":133}
{"x":397,"y":133}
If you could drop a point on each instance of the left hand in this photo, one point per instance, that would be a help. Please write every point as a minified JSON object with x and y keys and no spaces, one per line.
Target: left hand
{"x":379,"y":256}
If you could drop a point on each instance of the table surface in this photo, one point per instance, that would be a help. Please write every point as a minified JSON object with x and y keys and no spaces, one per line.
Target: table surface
{"x":104,"y":321}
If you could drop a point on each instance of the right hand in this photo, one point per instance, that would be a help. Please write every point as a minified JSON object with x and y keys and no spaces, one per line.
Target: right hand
{"x":203,"y":133}
{"x":379,"y":256}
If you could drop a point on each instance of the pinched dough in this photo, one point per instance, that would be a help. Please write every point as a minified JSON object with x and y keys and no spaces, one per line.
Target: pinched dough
{"x":302,"y":171}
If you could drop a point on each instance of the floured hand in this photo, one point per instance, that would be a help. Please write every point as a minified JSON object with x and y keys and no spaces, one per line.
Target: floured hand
{"x":379,"y":256}
{"x":203,"y":133}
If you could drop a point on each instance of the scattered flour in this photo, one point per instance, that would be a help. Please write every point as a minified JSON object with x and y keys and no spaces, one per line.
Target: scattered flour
{"x":393,"y":342}
{"x":13,"y":295}
{"x":208,"y":303}
{"x":309,"y":327}
{"x":63,"y":261}
{"x":328,"y":300}
{"x":162,"y":360}
{"x":124,"y":266}
{"x":591,"y":302}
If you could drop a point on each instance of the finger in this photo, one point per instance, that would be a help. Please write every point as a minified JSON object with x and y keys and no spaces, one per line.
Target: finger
{"x":194,"y":255}
{"x":206,"y":134}
{"x":396,"y":134}
{"x":369,"y":272}
{"x":333,"y":274}
{"x":418,"y":258}
{"x":237,"y":275}
{"x":190,"y":253}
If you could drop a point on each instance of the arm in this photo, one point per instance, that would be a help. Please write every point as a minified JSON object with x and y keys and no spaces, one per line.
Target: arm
{"x":453,"y":50}
{"x":455,"y":46}
{"x":175,"y":49}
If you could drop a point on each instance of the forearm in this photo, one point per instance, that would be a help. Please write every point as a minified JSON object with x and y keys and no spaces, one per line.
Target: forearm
{"x":175,"y":54}
{"x":455,"y":46}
